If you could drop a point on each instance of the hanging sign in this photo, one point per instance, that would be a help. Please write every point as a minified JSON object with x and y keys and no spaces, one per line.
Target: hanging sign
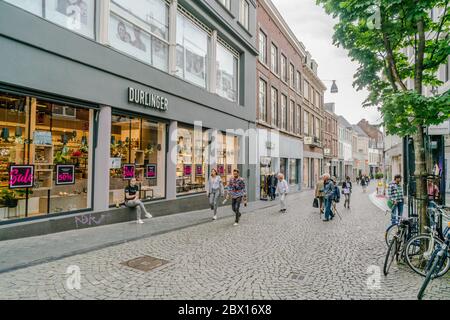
{"x":21,"y":176}
{"x":129,"y":171}
{"x":65,"y":174}
{"x":42,"y":138}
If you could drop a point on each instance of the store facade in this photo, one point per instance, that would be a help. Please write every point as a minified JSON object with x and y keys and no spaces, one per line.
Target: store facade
{"x":118,"y":96}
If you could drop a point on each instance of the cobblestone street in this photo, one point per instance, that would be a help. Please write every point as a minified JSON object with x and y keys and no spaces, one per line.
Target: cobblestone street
{"x":268,"y":256}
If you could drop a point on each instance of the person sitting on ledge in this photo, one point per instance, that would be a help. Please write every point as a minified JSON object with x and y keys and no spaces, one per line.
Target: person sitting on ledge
{"x":132,"y":200}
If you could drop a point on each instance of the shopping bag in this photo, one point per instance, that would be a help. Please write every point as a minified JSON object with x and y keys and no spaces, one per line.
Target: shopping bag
{"x":315,"y":203}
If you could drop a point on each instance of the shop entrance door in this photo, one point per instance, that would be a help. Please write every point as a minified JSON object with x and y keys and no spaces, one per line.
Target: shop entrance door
{"x":265,"y":172}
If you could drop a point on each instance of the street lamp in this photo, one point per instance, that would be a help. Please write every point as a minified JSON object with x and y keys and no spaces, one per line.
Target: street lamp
{"x":334,"y":87}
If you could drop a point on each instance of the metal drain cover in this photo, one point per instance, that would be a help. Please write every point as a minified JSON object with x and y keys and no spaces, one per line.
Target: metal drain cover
{"x":297,"y":276}
{"x":145,"y":263}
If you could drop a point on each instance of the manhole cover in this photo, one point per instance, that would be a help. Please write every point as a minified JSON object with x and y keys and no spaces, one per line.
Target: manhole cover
{"x":297,"y":276}
{"x":145,"y":263}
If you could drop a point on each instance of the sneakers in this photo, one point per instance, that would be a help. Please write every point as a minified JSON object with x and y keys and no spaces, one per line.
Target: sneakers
{"x":215,"y":217}
{"x":139,"y":221}
{"x":148,"y":215}
{"x":235,"y":224}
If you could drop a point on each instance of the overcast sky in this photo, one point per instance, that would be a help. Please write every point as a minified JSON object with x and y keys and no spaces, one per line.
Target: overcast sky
{"x":314,"y":28}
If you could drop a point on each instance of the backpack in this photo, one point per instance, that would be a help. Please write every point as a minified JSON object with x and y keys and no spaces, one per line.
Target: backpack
{"x":337,"y":194}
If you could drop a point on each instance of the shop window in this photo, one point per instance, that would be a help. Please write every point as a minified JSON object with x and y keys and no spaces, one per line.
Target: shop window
{"x":227,"y":73}
{"x":78,"y":16}
{"x":141,"y":29}
{"x":227,"y":151}
{"x":192,"y":51}
{"x":191,"y":160}
{"x":139,"y":142}
{"x":56,"y":140}
{"x":293,"y":171}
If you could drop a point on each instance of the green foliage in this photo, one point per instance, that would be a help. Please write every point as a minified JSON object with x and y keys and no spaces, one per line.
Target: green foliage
{"x":379,"y":176}
{"x":377,"y":35}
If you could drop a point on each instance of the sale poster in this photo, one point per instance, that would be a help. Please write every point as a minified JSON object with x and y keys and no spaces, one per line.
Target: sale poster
{"x":199,"y":170}
{"x":65,"y":174}
{"x":229,"y":169}
{"x":151,"y":171}
{"x":129,"y":171}
{"x":187,"y":169}
{"x":221,"y":169}
{"x":21,"y":176}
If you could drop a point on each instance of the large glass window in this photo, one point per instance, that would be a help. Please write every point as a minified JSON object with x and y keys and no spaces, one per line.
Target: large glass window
{"x":244,"y":14}
{"x":226,"y":155}
{"x":192,"y":51}
{"x":262,"y":47}
{"x":142,"y":143}
{"x":141,"y":29}
{"x":75,"y":15}
{"x":262,"y":100}
{"x":227,"y":73}
{"x":274,"y":107}
{"x":191,"y":160}
{"x":283,"y":112}
{"x":56,"y":140}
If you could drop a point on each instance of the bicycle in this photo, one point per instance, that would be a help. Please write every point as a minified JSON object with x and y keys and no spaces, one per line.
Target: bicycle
{"x":420,"y":248}
{"x":396,"y":246}
{"x":435,"y":266}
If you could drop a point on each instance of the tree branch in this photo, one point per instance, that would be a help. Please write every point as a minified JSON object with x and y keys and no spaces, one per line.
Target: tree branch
{"x":420,"y":55}
{"x":441,"y":25}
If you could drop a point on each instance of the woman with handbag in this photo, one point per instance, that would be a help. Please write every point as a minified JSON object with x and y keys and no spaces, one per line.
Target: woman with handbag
{"x":347,"y":191}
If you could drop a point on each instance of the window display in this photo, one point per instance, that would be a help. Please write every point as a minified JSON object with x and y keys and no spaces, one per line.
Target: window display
{"x":137,"y":150}
{"x":56,"y":145}
{"x":191,"y":152}
{"x":293,"y":171}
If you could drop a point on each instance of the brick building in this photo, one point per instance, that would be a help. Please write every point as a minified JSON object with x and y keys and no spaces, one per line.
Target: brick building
{"x":289,"y":103}
{"x":330,"y":140}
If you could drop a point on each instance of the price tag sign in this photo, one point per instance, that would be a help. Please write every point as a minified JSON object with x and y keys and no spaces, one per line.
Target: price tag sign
{"x":187,"y":169}
{"x":151,"y":171}
{"x":199,"y":170}
{"x":65,"y":174}
{"x":21,"y":176}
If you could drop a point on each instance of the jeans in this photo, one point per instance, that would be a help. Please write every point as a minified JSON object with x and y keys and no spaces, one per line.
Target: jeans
{"x":272,"y":192}
{"x":140,"y":207}
{"x":235,"y":205}
{"x":328,"y":212}
{"x":397,"y":212}
{"x":347,"y":200}
{"x":214,"y":200}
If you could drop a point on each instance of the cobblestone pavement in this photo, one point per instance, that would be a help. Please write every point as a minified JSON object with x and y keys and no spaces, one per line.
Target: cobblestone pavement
{"x":268,"y":256}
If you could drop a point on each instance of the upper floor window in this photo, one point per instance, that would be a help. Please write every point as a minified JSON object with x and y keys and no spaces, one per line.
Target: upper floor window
{"x":226,"y":4}
{"x":306,"y":90}
{"x":305,"y":122}
{"x":274,"y":107}
{"x":192,"y":51}
{"x":262,"y":100}
{"x":141,"y":29}
{"x":78,"y":16}
{"x":291,"y":76}
{"x":283,"y":68}
{"x":244,"y":14}
{"x":262,"y":47}
{"x":291,"y":116}
{"x":298,"y":116}
{"x":283,"y":112}
{"x":274,"y":58}
{"x":227,"y":73}
{"x":298,"y":82}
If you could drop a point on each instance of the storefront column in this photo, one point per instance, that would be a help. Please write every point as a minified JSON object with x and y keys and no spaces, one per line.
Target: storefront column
{"x":102,"y":156}
{"x":171,"y":183}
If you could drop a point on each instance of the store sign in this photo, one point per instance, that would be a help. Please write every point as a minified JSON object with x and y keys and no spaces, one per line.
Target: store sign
{"x":147,"y":99}
{"x":270,"y":145}
{"x":187,"y":170}
{"x":199,"y":170}
{"x":42,"y":138}
{"x":151,"y":171}
{"x":65,"y":174}
{"x":441,"y":129}
{"x":115,"y":163}
{"x":21,"y":176}
{"x":129,"y":171}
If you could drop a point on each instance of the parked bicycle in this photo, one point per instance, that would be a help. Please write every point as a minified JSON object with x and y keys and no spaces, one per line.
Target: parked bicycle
{"x":420,"y":248}
{"x":397,"y":244}
{"x":437,"y":265}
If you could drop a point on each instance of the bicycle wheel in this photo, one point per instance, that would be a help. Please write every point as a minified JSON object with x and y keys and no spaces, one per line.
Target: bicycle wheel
{"x":390,"y":233}
{"x":416,"y":258}
{"x":390,"y":255}
{"x":429,"y":276}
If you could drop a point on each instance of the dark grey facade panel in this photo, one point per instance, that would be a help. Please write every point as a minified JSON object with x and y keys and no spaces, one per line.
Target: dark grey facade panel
{"x":49,"y":58}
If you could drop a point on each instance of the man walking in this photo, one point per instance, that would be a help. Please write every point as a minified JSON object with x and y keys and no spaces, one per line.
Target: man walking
{"x":329,"y":193}
{"x":395,"y":194}
{"x":238,"y":193}
{"x":282,"y":189}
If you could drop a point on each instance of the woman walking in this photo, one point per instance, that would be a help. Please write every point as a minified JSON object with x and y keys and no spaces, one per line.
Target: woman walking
{"x":215,"y":190}
{"x":282,"y":190}
{"x":347,"y":191}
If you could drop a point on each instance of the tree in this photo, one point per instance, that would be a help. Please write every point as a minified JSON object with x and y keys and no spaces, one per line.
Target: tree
{"x":378,"y":35}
